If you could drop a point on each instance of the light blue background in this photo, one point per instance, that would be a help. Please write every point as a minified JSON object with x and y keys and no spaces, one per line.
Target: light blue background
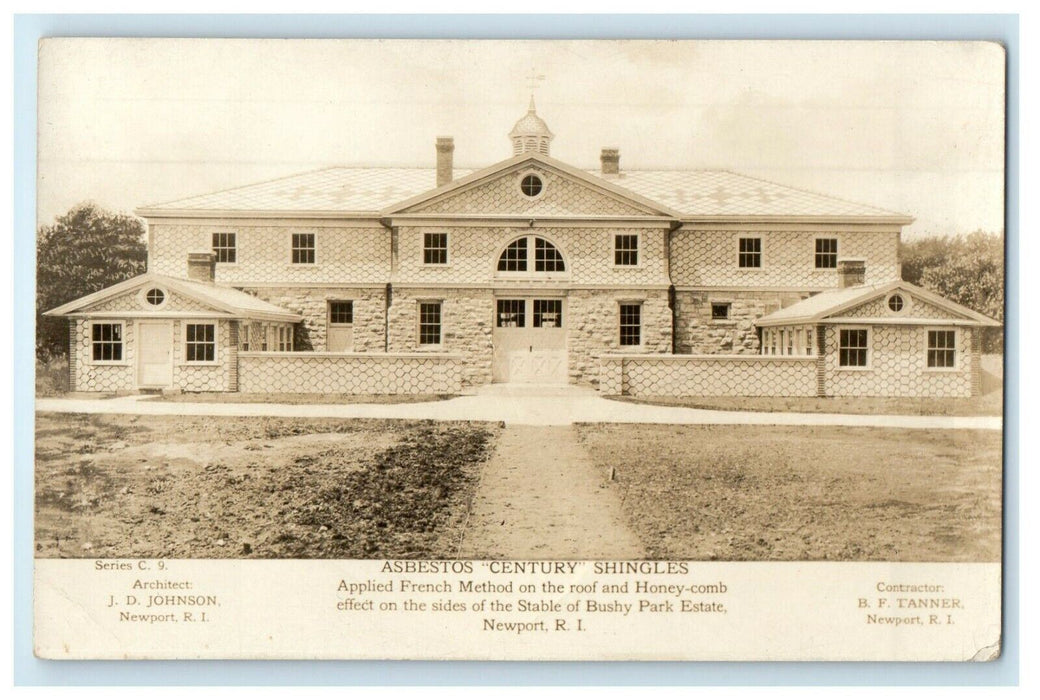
{"x":28,"y":29}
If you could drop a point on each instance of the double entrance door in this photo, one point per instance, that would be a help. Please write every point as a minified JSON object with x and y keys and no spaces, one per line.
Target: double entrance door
{"x":530,"y":340}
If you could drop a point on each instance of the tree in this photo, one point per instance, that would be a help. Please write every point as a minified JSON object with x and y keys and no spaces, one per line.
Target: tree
{"x":967,"y":269}
{"x":84,"y":251}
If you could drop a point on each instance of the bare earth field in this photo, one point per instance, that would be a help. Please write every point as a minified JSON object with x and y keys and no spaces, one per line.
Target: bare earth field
{"x":223,"y":487}
{"x":806,"y":493}
{"x":988,"y":405}
{"x":160,"y":486}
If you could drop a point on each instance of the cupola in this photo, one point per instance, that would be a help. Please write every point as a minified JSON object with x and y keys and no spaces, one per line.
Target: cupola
{"x":531,"y":133}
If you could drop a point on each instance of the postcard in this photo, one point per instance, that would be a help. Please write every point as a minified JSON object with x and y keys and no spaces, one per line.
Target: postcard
{"x":539,"y":350}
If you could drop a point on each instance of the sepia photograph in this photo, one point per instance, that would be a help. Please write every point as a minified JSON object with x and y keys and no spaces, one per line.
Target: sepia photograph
{"x":520,"y":301}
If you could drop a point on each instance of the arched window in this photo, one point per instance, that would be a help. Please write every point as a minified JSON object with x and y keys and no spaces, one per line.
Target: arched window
{"x":516,"y":256}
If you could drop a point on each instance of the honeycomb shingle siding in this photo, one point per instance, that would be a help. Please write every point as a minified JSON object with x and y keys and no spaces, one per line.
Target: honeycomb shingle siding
{"x":134,"y":301}
{"x":560,"y":196}
{"x":359,"y":255}
{"x":587,"y":252}
{"x":709,"y":258}
{"x":343,"y":374}
{"x":913,"y":306}
{"x":123,"y":376}
{"x":897,"y":365}
{"x":193,"y":377}
{"x":706,"y":375}
{"x":103,"y":378}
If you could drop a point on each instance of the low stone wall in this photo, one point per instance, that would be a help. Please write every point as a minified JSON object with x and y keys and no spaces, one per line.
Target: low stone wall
{"x":349,"y":373}
{"x":707,"y":375}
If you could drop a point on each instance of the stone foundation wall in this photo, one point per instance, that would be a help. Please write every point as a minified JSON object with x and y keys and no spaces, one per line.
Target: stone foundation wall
{"x":467,"y":317}
{"x":697,"y":333}
{"x":312,"y":304}
{"x":707,"y":375}
{"x":338,"y":373}
{"x":593,"y":328}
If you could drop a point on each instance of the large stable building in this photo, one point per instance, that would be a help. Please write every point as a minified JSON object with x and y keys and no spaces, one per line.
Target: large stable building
{"x":387,"y":280}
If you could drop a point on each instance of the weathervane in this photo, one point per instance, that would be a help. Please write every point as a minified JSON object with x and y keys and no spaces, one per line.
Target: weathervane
{"x":533,"y":79}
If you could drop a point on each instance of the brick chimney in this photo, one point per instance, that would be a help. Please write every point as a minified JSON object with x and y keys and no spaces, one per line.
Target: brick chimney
{"x":852,"y":272}
{"x":445,"y":167}
{"x":201,"y":266}
{"x":610,"y":161}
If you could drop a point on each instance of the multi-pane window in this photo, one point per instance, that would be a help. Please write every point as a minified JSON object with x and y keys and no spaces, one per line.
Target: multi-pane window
{"x":303,"y":248}
{"x":106,"y":340}
{"x":719,"y":311}
{"x":546,"y":257}
{"x":626,"y":249}
{"x":749,"y":252}
{"x":852,"y":347}
{"x":200,"y":342}
{"x":510,"y":313}
{"x":155,"y":296}
{"x":225,"y":247}
{"x":514,"y":257}
{"x":548,"y":313}
{"x":341,"y":312}
{"x":531,"y":185}
{"x":630,"y":323}
{"x":435,"y":249}
{"x":942,"y":348}
{"x":809,"y":341}
{"x":283,"y":338}
{"x":248,"y":336}
{"x":826,"y":253}
{"x":429,"y":323}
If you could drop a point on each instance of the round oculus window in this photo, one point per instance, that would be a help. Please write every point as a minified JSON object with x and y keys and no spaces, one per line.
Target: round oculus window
{"x":895,"y":303}
{"x":155,"y":296}
{"x":531,"y":185}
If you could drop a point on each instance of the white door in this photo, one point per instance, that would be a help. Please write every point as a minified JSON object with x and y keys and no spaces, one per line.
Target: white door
{"x":339,"y":329}
{"x":154,"y":353}
{"x":530,"y":341}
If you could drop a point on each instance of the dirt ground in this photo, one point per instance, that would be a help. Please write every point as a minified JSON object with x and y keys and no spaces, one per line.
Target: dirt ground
{"x":162,"y":486}
{"x":806,"y":493}
{"x":540,"y":497}
{"x":209,"y":487}
{"x":991,"y":404}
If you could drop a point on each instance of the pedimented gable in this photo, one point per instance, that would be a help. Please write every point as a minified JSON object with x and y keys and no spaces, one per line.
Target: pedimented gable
{"x":913,"y":307}
{"x":134,"y":301}
{"x":563,"y":193}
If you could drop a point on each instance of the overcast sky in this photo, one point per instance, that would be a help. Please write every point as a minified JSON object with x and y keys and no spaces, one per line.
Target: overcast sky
{"x":914,"y":127}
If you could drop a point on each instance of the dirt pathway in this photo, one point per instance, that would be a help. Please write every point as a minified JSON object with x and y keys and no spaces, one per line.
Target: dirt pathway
{"x":541,"y":497}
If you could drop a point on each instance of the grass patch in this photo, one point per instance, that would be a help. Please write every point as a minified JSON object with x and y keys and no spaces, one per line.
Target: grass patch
{"x":221,"y":487}
{"x":235,"y":397}
{"x":737,"y":493}
{"x":989,"y":405}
